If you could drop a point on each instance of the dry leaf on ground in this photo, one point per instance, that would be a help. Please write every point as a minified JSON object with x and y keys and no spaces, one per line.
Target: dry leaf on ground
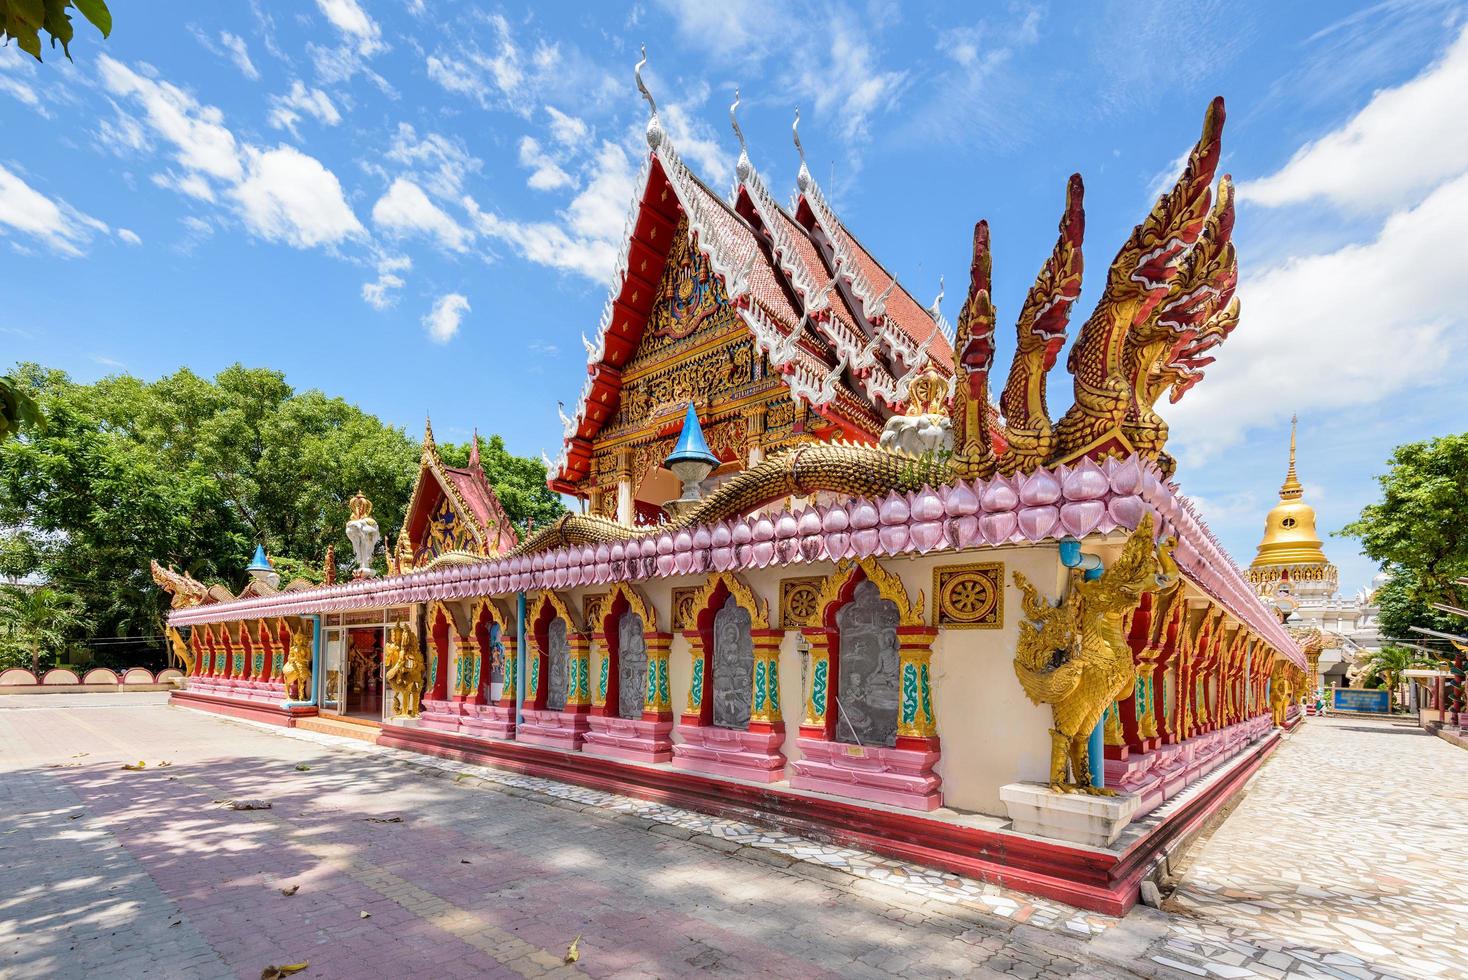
{"x":276,"y":972}
{"x":245,"y":804}
{"x":573,"y":952}
{"x":383,"y":819}
{"x":290,"y":890}
{"x":135,"y":768}
{"x":365,"y":915}
{"x":302,"y":767}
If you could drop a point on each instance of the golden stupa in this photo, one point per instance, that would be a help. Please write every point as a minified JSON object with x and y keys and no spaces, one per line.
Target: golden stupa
{"x":1291,"y":546}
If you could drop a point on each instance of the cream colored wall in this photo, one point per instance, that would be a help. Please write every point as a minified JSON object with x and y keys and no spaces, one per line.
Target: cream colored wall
{"x":990,"y":732}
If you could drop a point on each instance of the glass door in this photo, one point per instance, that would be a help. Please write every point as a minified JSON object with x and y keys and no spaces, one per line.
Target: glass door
{"x":332,"y":662}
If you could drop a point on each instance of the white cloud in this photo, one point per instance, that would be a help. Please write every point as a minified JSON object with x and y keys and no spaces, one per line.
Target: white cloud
{"x":438,"y":162}
{"x":546,"y":174}
{"x":201,"y":141}
{"x":348,"y":17}
{"x":443,"y":320}
{"x":125,"y":133}
{"x":1405,"y":141}
{"x":405,"y":209}
{"x":1345,"y":328}
{"x":846,"y":80}
{"x":589,"y":234}
{"x":129,"y":236}
{"x":382,"y":293}
{"x":240,"y":54}
{"x":567,"y":130}
{"x":290,"y":197}
{"x":502,"y":72}
{"x":58,"y":225}
{"x":728,"y":29}
{"x":286,"y":109}
{"x":281,"y":194}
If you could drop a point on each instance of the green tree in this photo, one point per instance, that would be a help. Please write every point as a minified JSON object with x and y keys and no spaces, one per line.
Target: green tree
{"x":18,"y":409}
{"x":1400,"y":610}
{"x":518,"y":481}
{"x":1419,"y":528}
{"x":1389,"y":663}
{"x":24,"y":20}
{"x":37,"y":620}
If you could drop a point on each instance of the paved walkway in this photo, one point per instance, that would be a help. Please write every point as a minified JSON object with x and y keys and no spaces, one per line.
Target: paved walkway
{"x":491,"y":873}
{"x":105,"y":871}
{"x":1347,"y":858}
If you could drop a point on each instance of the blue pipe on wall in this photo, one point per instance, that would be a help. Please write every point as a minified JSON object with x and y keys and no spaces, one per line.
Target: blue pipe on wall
{"x":519,"y":658}
{"x":315,"y":666}
{"x":1071,"y":556}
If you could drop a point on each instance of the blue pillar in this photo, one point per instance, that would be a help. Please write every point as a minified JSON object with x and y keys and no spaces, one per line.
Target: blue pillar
{"x":520,"y":659}
{"x":1096,"y":752}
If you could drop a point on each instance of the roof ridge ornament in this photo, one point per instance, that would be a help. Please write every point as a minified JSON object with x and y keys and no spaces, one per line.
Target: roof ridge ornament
{"x":936,"y":309}
{"x":743,"y":168}
{"x":654,"y":124}
{"x":802,"y":178}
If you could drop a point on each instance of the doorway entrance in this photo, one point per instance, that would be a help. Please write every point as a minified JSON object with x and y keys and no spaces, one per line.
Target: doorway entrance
{"x":353,"y":685}
{"x":362,"y":683}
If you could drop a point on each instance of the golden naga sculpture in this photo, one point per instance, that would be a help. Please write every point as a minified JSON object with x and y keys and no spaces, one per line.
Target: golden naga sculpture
{"x":403,"y":667}
{"x":186,"y":590}
{"x":1166,"y":302}
{"x":181,"y":650}
{"x":973,"y":357}
{"x":1074,"y":655}
{"x":1041,"y":334}
{"x":296,"y":672}
{"x":858,"y":470}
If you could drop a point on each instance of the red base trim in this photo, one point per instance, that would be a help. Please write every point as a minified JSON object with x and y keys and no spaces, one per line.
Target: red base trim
{"x":274,"y":714}
{"x":1095,"y":880}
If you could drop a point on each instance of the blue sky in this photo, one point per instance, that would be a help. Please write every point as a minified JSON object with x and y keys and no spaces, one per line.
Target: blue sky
{"x":416,"y":204}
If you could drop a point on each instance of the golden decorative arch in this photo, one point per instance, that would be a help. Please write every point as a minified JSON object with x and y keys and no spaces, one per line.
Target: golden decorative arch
{"x":758,"y":608}
{"x":558,"y":606}
{"x":888,"y":585}
{"x":496,"y":615}
{"x":454,"y":613}
{"x":636,"y":601}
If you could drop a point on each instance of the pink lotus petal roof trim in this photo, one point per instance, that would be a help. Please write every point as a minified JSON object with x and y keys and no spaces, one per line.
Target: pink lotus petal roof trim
{"x":1043,"y":506}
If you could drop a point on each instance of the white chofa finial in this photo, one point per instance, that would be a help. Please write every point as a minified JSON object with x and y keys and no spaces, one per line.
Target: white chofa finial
{"x":936,"y":310}
{"x":802,"y":179}
{"x":654,"y":124}
{"x":743,"y":168}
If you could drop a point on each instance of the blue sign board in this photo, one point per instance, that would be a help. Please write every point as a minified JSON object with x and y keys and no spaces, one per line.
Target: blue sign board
{"x":1350,"y":699}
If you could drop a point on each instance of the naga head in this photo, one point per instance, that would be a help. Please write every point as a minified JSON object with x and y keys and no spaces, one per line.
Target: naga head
{"x":1136,"y":570}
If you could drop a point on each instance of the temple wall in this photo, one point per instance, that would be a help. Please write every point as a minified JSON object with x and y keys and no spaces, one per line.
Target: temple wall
{"x":990,"y":733}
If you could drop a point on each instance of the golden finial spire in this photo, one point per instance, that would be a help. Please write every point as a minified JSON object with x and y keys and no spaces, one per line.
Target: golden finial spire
{"x":1291,"y":490}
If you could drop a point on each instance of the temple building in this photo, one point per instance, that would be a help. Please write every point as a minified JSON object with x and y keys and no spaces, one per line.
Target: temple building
{"x":1290,"y":571}
{"x":819,"y":573}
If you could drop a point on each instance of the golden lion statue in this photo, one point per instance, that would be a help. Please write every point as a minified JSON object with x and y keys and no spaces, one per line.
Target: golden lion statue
{"x":297,"y":669}
{"x":1074,"y":656}
{"x":404,"y":666}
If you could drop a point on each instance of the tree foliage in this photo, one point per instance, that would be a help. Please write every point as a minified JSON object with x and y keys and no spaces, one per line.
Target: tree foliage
{"x":1419,"y":530}
{"x":18,"y":410}
{"x":36,"y":622}
{"x":25,"y":21}
{"x":1389,"y":664}
{"x":194,"y":472}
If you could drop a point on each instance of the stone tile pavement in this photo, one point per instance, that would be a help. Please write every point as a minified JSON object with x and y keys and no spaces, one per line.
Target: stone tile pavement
{"x":619,"y":872}
{"x":1347,"y":858}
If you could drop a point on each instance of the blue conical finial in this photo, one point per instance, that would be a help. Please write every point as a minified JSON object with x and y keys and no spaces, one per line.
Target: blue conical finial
{"x":691,"y":448}
{"x":260,"y":563}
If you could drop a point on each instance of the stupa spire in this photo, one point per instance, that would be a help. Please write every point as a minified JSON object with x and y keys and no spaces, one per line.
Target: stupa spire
{"x":1291,"y":489}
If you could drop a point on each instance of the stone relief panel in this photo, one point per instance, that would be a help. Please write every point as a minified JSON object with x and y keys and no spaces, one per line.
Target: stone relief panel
{"x":733,"y":687}
{"x":969,"y":597}
{"x":631,"y":666}
{"x":559,"y":656}
{"x":868,"y":698}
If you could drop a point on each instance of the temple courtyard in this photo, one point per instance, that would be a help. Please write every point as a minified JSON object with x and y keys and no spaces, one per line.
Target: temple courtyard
{"x":1347,"y":857}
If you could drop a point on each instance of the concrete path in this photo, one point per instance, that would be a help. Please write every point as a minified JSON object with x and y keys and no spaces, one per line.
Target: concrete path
{"x":1348,"y":857}
{"x":104,"y":870}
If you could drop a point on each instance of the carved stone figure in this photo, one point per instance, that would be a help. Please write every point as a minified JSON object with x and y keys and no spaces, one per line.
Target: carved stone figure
{"x":403,"y":667}
{"x":559,"y":674}
{"x":297,"y":669}
{"x":1074,"y":655}
{"x":868,"y":702}
{"x":631,"y":666}
{"x":733,"y":681}
{"x":363,"y":533}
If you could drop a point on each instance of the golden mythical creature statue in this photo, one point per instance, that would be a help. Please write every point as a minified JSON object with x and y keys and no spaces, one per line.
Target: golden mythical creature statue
{"x":186,"y":590}
{"x":403,"y":669}
{"x":1281,"y":693}
{"x":297,"y":669}
{"x":1074,"y":655}
{"x":973,"y":356}
{"x":181,"y":650}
